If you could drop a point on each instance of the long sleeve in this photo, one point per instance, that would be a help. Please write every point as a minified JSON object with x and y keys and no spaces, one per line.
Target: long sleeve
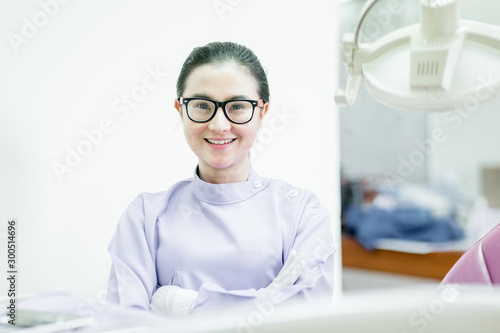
{"x":132,"y":279}
{"x":314,"y":238}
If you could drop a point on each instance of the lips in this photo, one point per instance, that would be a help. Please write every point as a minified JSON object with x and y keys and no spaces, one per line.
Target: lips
{"x":219,"y":141}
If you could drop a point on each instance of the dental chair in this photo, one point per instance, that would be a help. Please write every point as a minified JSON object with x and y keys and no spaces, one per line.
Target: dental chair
{"x":480,"y":265}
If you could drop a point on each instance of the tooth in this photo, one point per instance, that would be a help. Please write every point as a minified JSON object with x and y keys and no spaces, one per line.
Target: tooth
{"x":219,"y":142}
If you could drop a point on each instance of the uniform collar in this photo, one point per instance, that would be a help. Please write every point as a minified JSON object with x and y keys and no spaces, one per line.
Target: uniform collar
{"x":230,"y":192}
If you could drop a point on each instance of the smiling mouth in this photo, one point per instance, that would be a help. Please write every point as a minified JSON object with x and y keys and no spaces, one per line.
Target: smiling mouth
{"x":219,"y":142}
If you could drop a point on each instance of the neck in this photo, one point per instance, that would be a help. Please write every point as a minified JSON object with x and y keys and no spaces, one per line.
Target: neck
{"x":234,"y":174}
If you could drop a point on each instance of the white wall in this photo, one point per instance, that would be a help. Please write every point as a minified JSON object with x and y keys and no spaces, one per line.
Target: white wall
{"x":65,"y":68}
{"x":470,"y":141}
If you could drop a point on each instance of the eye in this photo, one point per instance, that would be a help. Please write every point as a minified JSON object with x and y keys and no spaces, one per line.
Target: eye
{"x":202,"y":105}
{"x":236,"y":106}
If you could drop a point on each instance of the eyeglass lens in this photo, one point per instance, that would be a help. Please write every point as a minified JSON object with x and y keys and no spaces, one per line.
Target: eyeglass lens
{"x":202,"y":110}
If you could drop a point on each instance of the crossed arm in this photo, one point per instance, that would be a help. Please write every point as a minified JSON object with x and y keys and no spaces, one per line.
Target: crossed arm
{"x":133,"y":278}
{"x":174,"y":301}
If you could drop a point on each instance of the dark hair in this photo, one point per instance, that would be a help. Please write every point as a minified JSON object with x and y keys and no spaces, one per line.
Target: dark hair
{"x":224,"y":52}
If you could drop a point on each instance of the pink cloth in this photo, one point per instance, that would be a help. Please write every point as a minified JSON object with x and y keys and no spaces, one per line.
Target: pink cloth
{"x":480,"y":264}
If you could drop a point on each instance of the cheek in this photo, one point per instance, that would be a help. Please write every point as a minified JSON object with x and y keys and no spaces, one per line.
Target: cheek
{"x":251,"y":134}
{"x":191,"y":132}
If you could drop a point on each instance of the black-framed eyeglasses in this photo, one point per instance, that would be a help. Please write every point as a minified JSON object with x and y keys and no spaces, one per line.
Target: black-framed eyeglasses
{"x":238,"y":111}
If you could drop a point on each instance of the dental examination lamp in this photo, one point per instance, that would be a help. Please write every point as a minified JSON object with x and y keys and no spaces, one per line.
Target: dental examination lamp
{"x":435,"y":65}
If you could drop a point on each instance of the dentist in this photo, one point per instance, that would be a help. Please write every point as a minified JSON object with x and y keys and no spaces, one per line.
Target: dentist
{"x":226,"y":236}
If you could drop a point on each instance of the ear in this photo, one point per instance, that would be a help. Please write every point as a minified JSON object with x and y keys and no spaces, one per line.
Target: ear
{"x":178,"y":107}
{"x":263,"y":112}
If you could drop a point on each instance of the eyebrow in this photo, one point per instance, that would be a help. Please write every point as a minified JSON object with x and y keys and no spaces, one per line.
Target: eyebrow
{"x":230,"y":99}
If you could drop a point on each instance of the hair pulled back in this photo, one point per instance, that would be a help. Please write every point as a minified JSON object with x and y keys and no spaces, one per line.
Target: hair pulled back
{"x":221,"y":53}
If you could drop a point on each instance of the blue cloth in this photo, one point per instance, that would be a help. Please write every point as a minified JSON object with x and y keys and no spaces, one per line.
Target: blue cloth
{"x":402,"y":223}
{"x":226,"y":241}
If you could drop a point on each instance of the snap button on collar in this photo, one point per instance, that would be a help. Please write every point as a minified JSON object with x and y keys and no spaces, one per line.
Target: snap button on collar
{"x":257,"y":183}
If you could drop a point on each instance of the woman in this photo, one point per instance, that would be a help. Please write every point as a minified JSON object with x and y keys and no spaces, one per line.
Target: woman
{"x":226,"y":236}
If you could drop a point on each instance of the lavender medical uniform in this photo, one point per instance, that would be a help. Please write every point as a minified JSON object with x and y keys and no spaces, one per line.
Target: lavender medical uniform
{"x":226,"y":241}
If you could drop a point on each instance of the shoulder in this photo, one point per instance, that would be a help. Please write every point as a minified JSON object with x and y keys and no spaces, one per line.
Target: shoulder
{"x":159,"y":199}
{"x":289,"y":193}
{"x":283,"y":186}
{"x":300,"y":207}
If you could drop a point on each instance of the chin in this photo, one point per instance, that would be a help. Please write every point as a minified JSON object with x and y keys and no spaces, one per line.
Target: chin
{"x":221,"y":164}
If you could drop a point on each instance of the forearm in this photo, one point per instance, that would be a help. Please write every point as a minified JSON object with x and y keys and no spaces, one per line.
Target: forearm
{"x":314,"y":284}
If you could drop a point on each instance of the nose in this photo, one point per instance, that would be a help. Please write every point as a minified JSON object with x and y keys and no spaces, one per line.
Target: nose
{"x":219,"y":122}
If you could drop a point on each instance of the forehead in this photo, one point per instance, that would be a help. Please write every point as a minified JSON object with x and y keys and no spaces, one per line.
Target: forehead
{"x":221,"y":81}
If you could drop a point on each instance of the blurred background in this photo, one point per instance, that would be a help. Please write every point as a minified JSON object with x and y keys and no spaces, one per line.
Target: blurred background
{"x":444,"y":166}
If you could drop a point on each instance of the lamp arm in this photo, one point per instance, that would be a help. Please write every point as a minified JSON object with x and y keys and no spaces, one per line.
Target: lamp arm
{"x":364,"y":13}
{"x":483,"y":33}
{"x":347,"y":97}
{"x":350,"y":48}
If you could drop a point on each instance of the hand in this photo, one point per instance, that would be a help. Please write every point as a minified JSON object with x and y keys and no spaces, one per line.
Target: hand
{"x":289,"y":274}
{"x":170,"y":301}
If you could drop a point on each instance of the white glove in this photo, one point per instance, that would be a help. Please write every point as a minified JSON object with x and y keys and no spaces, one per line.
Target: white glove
{"x":170,"y":301}
{"x":293,"y":267}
